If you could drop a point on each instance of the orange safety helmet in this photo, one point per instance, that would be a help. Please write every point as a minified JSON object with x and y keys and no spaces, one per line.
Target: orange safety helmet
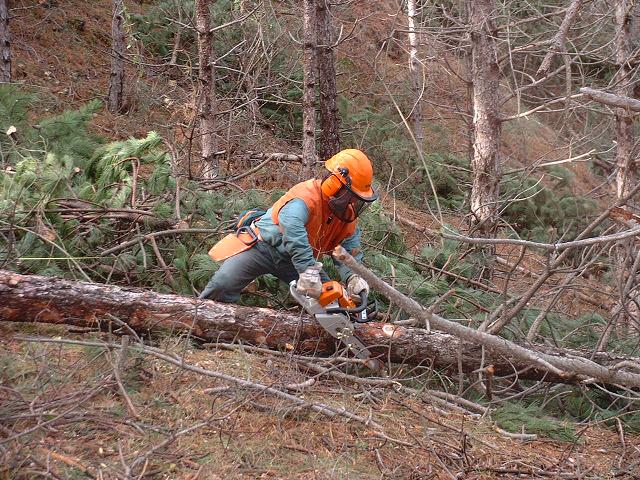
{"x":348,"y":185}
{"x":354,"y":170}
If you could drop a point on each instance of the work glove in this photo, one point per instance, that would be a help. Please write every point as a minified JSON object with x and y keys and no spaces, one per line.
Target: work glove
{"x":356,"y":286}
{"x":309,"y":282}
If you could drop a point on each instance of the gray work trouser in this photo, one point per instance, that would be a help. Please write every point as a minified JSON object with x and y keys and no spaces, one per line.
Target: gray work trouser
{"x":238,"y":271}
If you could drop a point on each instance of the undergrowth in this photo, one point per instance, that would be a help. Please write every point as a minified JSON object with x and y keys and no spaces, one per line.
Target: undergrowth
{"x":517,"y":418}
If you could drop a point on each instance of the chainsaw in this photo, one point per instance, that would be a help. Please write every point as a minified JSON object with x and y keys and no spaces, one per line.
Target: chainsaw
{"x":337,"y":313}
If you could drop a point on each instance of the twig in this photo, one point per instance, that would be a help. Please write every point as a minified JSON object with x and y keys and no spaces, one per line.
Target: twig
{"x":118,"y":367}
{"x":162,"y":233}
{"x":555,"y":247}
{"x":432,"y":309}
{"x":91,"y":393}
{"x":302,"y":385}
{"x":69,"y":461}
{"x":161,"y":261}
{"x":518,"y":436}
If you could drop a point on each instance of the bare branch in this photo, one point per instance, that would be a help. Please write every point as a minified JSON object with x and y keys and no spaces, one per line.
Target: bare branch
{"x":611,"y":99}
{"x":558,"y":40}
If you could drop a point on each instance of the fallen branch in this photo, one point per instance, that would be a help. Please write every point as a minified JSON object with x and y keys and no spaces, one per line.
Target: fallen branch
{"x":557,"y":43}
{"x":494,"y":325}
{"x":564,"y":367}
{"x":555,"y":247}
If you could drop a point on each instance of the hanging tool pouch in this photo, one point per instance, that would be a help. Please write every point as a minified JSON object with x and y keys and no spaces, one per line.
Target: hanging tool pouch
{"x":245,"y":236}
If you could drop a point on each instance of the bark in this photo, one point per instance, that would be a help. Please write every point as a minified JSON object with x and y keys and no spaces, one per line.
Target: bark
{"x":416,"y":69}
{"x":329,"y":135}
{"x":309,"y":88}
{"x":206,"y":90}
{"x":52,"y":300}
{"x":486,"y":125}
{"x":118,"y":45}
{"x":5,"y":43}
{"x":557,"y":44}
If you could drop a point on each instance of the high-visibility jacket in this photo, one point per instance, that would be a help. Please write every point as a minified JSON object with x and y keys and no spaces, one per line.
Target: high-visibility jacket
{"x":324,"y":230}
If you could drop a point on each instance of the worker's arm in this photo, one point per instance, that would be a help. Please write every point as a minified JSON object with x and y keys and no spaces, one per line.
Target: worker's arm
{"x":293,"y":218}
{"x":353,"y":246}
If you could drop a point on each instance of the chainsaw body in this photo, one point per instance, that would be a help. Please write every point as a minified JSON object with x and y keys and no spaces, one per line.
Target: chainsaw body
{"x":336,"y":312}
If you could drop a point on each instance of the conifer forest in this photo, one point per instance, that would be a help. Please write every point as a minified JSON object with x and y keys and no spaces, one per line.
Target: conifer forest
{"x":503,"y":330}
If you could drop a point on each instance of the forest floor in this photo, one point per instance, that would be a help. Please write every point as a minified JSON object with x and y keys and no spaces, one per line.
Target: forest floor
{"x":73,"y":422}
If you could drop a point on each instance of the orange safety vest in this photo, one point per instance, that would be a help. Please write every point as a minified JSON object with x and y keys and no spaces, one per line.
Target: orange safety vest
{"x":324,"y":230}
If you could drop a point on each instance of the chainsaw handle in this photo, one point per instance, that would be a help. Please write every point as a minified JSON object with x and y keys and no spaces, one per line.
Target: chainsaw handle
{"x":368,"y":316}
{"x":361,"y":308}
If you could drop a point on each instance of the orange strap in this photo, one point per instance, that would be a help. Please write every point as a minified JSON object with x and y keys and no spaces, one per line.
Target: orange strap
{"x":237,"y":242}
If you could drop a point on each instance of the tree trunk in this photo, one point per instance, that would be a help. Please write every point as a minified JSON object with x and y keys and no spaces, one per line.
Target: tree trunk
{"x":5,"y":43}
{"x":329,"y":138}
{"x":416,"y":69}
{"x":118,"y":45}
{"x":309,"y":89}
{"x":206,"y":90}
{"x":486,"y":125}
{"x":625,"y":165}
{"x":625,"y":174}
{"x":52,"y":300}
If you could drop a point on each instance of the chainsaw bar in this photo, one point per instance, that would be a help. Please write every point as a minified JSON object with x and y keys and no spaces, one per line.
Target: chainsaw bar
{"x":338,"y":325}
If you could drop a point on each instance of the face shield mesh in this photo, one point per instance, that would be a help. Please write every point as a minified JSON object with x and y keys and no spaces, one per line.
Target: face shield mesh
{"x":346,"y":205}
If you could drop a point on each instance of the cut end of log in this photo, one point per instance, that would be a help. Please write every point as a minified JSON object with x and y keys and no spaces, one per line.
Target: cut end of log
{"x":392,"y":331}
{"x":339,"y":253}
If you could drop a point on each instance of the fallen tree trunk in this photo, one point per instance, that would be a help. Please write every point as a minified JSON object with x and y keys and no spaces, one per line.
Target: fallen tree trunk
{"x":30,"y":298}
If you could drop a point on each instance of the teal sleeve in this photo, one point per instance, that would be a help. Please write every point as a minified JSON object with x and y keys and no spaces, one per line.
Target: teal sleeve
{"x":293,"y":218}
{"x":354,"y":247}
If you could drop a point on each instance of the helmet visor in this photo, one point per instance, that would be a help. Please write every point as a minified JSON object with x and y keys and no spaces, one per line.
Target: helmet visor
{"x":347,"y":205}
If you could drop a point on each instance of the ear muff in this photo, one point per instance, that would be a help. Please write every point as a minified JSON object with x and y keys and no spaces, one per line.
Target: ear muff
{"x":331,"y":185}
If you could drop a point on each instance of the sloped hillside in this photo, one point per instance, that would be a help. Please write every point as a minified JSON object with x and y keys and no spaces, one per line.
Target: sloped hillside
{"x":92,"y":196}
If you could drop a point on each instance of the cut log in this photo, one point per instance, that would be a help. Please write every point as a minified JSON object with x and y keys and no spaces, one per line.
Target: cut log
{"x":30,"y":298}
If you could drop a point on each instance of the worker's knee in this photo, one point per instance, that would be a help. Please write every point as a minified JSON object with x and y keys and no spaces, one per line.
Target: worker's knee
{"x":222,"y":287}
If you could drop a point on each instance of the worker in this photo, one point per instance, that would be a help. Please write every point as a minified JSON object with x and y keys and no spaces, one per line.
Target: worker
{"x":308,"y":221}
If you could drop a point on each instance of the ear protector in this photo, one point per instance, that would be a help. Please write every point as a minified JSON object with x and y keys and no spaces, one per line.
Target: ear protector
{"x":331,"y":184}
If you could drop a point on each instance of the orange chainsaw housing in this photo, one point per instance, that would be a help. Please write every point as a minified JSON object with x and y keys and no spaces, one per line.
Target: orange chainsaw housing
{"x":332,"y":291}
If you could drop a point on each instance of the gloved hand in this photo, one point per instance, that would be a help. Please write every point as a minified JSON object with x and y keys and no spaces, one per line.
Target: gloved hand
{"x":356,"y":285}
{"x":309,"y":282}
